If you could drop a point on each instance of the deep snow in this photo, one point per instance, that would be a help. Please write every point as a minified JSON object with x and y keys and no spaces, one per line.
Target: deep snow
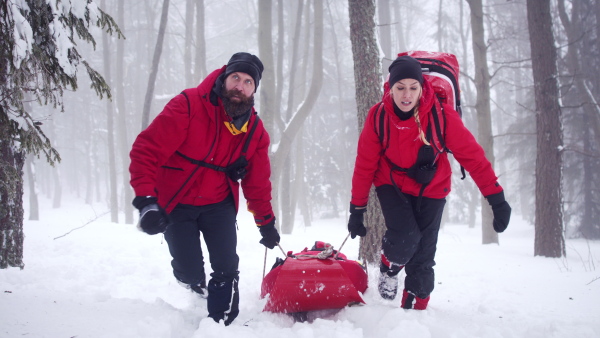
{"x":102,"y":279}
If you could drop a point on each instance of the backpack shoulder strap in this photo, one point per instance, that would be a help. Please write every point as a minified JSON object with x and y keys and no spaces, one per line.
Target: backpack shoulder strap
{"x":439,"y":121}
{"x":250,"y":133}
{"x":380,"y":127}
{"x":188,"y":102}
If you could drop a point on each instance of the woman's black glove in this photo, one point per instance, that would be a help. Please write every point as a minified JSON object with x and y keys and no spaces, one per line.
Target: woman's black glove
{"x":501,"y":211}
{"x":153,"y":218}
{"x":270,"y":236}
{"x":356,"y":225}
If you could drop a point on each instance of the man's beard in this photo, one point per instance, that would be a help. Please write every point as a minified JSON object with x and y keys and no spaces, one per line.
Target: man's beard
{"x":236,"y":108}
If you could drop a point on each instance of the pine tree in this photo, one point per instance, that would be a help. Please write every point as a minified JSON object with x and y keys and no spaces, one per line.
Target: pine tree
{"x":38,"y":61}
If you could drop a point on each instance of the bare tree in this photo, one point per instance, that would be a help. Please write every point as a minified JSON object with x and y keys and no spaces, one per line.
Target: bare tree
{"x":110,"y":127}
{"x":549,"y":240}
{"x":579,"y":118}
{"x":265,"y":51}
{"x":367,"y":76}
{"x":187,"y":47}
{"x":385,"y":28}
{"x":155,"y":62}
{"x":294,"y":126}
{"x":122,"y":118}
{"x":200,"y":64}
{"x":482,"y":106}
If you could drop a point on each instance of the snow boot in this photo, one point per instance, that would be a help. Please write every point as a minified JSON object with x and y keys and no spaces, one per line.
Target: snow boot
{"x":410,"y":301}
{"x":199,"y":288}
{"x":388,"y":279}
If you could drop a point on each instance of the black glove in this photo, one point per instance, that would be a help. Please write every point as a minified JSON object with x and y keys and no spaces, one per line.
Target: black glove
{"x":501,"y":211}
{"x":237,"y":170}
{"x":356,"y":225}
{"x":153,"y":218}
{"x":270,"y":236}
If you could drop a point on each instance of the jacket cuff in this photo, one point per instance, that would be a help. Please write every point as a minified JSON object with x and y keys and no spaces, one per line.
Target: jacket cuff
{"x":354,"y":209}
{"x":264,"y":220}
{"x":496,"y":198}
{"x":139,"y":202}
{"x":491,"y":189}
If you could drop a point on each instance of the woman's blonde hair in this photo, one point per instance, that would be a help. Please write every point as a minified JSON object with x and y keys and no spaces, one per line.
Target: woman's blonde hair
{"x":418,"y":120}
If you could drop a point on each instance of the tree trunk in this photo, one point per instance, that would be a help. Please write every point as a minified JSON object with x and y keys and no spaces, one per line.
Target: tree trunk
{"x":280,"y":57}
{"x":265,"y":51}
{"x":345,"y":167}
{"x":34,"y":209}
{"x":549,"y":240}
{"x":11,"y":202}
{"x":295,"y":53}
{"x":187,"y":56}
{"x":110,"y":134}
{"x":385,"y":29}
{"x":368,"y":85}
{"x":155,"y":62}
{"x":482,"y":105}
{"x":440,"y":26}
{"x":295,"y":124}
{"x":122,"y":116}
{"x":577,"y":95}
{"x":200,"y":65}
{"x":279,"y":204}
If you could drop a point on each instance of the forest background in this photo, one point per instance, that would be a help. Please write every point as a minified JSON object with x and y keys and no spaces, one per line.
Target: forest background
{"x":307,"y":97}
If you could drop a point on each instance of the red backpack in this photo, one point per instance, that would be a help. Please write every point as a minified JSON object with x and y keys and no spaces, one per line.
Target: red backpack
{"x":441,"y":70}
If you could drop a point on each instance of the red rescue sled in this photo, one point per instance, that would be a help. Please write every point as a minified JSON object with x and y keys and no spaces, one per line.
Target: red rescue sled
{"x":315,"y":279}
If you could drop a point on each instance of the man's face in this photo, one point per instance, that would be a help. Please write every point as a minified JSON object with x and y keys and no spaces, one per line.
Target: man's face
{"x":240,"y":82}
{"x":238,"y":94}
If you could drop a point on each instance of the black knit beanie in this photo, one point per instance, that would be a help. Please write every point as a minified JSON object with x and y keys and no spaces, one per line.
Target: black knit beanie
{"x":245,"y":63}
{"x":405,"y":67}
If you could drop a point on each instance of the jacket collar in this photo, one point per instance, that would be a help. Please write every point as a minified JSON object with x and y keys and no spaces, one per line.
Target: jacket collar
{"x":425,"y":103}
{"x":212,"y":102}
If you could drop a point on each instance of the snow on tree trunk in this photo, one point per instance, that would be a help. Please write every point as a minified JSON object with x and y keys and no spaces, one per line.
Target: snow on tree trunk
{"x":11,"y":203}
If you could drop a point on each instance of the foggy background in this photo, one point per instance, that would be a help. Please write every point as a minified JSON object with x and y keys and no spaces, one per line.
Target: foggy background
{"x":315,"y":181}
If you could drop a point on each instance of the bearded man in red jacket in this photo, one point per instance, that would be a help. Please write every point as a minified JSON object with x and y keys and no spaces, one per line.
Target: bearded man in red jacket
{"x":185,"y":171}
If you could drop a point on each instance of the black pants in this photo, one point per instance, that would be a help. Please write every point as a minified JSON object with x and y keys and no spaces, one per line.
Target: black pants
{"x":217,"y":222}
{"x":411,"y":236}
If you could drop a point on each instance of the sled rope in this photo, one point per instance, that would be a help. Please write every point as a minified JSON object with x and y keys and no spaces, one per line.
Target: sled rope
{"x":328,"y":252}
{"x":341,"y":246}
{"x":265,"y":265}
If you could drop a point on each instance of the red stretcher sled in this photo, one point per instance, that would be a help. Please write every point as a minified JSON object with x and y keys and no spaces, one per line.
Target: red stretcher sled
{"x":315,"y":279}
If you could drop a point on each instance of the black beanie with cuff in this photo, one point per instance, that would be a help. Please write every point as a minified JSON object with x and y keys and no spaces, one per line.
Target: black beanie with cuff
{"x":405,"y":67}
{"x":245,"y":63}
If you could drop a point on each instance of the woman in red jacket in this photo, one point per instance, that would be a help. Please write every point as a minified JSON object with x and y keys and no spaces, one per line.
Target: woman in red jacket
{"x":412,"y":179}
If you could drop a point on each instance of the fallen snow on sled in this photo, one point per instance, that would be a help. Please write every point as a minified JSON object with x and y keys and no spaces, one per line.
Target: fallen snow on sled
{"x":315,"y":279}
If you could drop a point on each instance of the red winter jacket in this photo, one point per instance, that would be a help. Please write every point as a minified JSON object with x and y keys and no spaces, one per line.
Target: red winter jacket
{"x":200,"y":133}
{"x":404,"y":143}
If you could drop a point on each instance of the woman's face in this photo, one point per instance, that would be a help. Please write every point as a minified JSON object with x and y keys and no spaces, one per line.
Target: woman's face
{"x":406,"y":94}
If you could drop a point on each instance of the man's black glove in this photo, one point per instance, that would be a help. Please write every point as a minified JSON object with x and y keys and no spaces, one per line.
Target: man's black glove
{"x":501,"y":211}
{"x":153,"y":218}
{"x":356,"y":225}
{"x":270,"y":236}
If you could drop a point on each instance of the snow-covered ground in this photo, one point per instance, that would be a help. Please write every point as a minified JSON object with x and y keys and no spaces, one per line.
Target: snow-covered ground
{"x":111,"y":280}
